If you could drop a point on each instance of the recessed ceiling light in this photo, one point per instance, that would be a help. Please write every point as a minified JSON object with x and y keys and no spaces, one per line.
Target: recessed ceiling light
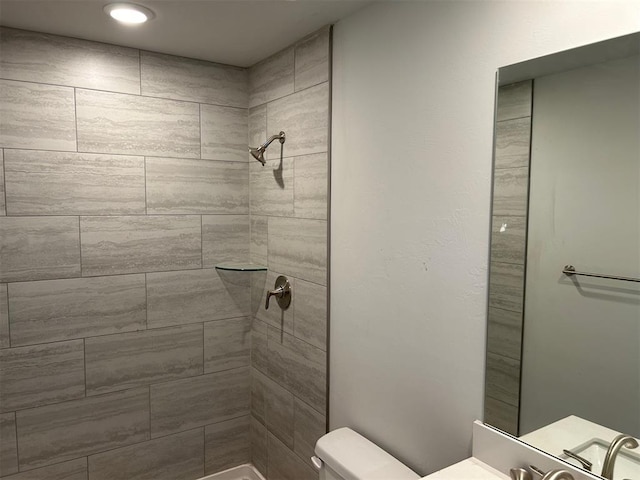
{"x":129,"y":13}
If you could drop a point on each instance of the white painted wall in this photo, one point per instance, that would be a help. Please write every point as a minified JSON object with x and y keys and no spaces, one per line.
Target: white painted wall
{"x":413,"y":95}
{"x":582,"y":341}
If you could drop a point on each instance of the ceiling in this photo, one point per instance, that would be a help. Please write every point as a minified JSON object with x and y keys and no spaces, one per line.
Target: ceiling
{"x":240,"y":32}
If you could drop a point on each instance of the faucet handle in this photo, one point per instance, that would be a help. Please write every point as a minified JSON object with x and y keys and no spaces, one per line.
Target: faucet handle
{"x":520,"y":474}
{"x":552,"y":474}
{"x":282,"y":292}
{"x":586,"y":464}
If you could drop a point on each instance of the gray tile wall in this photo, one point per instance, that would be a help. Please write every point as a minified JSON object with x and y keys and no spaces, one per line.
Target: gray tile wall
{"x":288,"y":220}
{"x":508,"y":247}
{"x":123,"y":180}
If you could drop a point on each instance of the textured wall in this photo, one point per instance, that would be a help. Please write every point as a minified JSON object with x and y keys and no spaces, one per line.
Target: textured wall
{"x":125,"y":180}
{"x":412,"y":127}
{"x":290,"y":91}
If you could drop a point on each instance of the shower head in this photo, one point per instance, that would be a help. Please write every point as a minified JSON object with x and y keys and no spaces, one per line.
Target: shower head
{"x":258,"y":152}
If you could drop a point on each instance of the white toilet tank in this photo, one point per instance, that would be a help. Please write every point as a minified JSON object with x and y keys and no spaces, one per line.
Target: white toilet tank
{"x":346,"y":455}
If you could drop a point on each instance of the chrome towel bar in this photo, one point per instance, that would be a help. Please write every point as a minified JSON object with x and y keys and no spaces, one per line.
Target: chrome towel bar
{"x":570,"y":270}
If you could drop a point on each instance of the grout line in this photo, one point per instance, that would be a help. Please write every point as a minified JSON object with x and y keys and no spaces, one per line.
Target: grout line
{"x":142,"y":154}
{"x":111,"y":92}
{"x":201,"y":242}
{"x":288,"y":95}
{"x":15,"y":426}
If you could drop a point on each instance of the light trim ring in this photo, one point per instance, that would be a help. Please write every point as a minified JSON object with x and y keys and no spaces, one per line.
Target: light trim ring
{"x":128,"y":13}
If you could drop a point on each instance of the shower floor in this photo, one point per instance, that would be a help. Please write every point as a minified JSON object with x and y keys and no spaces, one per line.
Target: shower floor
{"x":241,"y":472}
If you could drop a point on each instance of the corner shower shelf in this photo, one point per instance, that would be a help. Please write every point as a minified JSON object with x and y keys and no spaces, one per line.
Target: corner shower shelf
{"x":241,"y":267}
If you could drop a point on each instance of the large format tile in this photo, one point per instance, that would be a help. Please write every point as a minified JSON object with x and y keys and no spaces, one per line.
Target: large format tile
{"x":53,"y":310}
{"x":114,"y":245}
{"x":197,"y":186}
{"x":311,"y":186}
{"x":271,"y":78}
{"x":69,"y":430}
{"x":501,"y":415}
{"x":510,"y":190}
{"x":304,"y":117}
{"x":258,"y":441}
{"x":125,"y":360}
{"x":514,"y":101}
{"x":225,"y":238}
{"x":258,"y":242}
{"x":312,"y":60}
{"x":71,"y":470}
{"x":4,"y":316}
{"x":67,"y":183}
{"x":275,"y":316}
{"x":8,"y":444}
{"x":43,"y":58}
{"x":224,"y":133}
{"x":257,"y":128}
{"x":298,"y":366}
{"x":33,"y":248}
{"x":227,"y":344}
{"x":37,"y":116}
{"x":310,"y":313}
{"x":167,"y":458}
{"x":283,"y":464}
{"x":513,"y":139}
{"x":506,"y":286}
{"x":259,"y":346}
{"x":298,"y":247}
{"x":134,"y":125}
{"x":504,"y":333}
{"x":503,"y":379}
{"x":272,"y":187}
{"x":182,"y":78}
{"x":309,"y":427}
{"x":274,"y":406}
{"x":226,"y":444}
{"x":193,"y":402}
{"x":508,"y":239}
{"x":175,"y":298}
{"x":41,"y":374}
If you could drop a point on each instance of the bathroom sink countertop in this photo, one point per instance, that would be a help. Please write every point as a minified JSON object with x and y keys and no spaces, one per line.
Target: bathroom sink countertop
{"x":469,"y":469}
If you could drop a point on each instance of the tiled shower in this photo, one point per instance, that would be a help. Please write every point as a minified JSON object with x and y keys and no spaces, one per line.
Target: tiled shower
{"x":125,"y":180}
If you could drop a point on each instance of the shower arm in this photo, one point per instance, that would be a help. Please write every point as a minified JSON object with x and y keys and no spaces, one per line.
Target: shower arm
{"x":280,"y":136}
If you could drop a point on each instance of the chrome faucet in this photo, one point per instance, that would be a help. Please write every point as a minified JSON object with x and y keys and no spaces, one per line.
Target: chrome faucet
{"x":620,"y":441}
{"x":553,"y":474}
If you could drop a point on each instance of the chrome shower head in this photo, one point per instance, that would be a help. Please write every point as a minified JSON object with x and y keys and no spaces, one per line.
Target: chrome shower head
{"x":258,"y":152}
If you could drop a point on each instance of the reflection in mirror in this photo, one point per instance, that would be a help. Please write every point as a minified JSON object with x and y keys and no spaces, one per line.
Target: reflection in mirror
{"x":563,"y":351}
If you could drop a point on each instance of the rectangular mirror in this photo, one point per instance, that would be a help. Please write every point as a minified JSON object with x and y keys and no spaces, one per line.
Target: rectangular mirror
{"x":563,"y":345}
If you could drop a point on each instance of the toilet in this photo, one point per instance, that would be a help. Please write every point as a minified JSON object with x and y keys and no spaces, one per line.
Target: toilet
{"x":346,"y":455}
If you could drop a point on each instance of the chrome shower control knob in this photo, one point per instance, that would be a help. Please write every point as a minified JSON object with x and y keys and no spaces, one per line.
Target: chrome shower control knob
{"x":282,"y":292}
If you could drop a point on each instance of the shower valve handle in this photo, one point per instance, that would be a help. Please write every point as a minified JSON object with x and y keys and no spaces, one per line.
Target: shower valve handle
{"x":282,"y":292}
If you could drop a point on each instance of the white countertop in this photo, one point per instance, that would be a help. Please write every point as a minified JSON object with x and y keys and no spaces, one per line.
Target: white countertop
{"x":469,"y":469}
{"x":567,"y":433}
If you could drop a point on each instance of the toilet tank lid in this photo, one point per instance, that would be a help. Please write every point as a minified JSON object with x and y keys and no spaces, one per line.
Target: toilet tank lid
{"x":353,"y":457}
